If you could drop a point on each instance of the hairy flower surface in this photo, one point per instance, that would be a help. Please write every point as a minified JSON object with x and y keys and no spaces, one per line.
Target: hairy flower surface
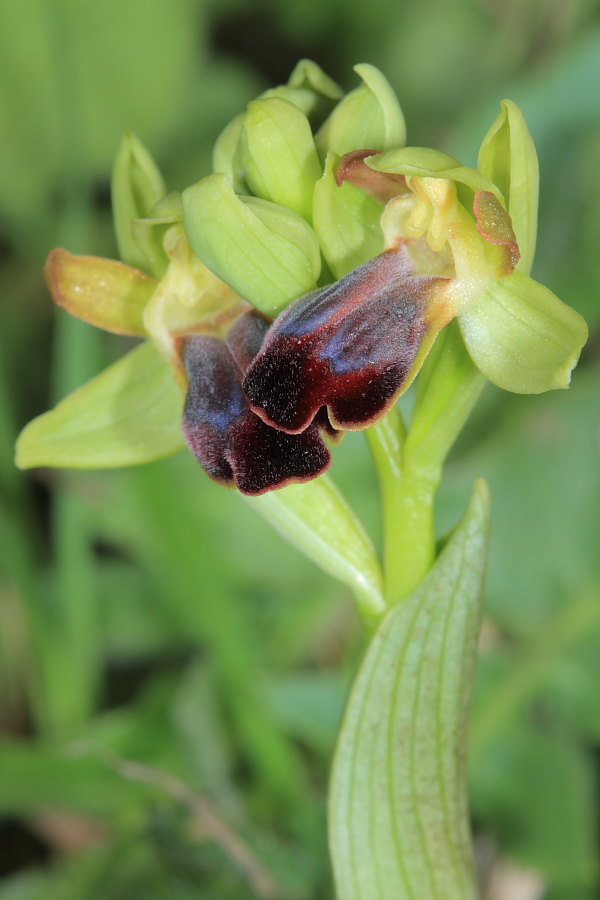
{"x":350,"y":346}
{"x":229,"y":441}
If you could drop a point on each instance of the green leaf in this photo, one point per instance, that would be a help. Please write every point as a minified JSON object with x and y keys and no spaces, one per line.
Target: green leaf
{"x":398,"y":819}
{"x":278,"y":154}
{"x":103,"y":292}
{"x":369,"y":117}
{"x":315,"y":517}
{"x":522,"y":337}
{"x":128,"y":414}
{"x":267,"y":253}
{"x":136,"y":187}
{"x":346,"y":221}
{"x":508,"y":157}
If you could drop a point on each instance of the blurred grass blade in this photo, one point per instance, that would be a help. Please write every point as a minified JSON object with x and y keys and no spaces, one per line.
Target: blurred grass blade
{"x":129,"y":414}
{"x":315,"y":518}
{"x":398,"y":818}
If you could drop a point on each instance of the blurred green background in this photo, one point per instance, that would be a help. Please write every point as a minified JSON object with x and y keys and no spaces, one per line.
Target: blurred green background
{"x":171,"y":672}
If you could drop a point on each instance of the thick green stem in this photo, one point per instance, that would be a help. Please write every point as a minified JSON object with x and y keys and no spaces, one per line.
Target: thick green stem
{"x":386,"y":440}
{"x":409,"y":466}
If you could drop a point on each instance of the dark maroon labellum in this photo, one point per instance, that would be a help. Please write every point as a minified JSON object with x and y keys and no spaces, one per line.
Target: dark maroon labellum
{"x":350,"y":346}
{"x":231,"y":443}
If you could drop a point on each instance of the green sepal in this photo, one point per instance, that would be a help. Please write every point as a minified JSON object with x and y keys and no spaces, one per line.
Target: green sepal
{"x":508,"y":157}
{"x":104,"y":292}
{"x":369,"y":117}
{"x":150,"y":231}
{"x":425,"y":162}
{"x":266,"y":253}
{"x":346,"y":221}
{"x":522,"y":337}
{"x":227,"y":154}
{"x":278,"y":154}
{"x":315,"y":517}
{"x":126,"y":415}
{"x":136,"y":187}
{"x":310,"y":89}
{"x":398,"y":817}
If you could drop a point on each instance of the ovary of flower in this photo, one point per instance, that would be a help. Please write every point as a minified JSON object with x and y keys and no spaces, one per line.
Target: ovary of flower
{"x":188,"y":299}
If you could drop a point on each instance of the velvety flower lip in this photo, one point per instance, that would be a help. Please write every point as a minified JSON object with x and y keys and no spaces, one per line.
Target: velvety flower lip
{"x":231,"y":443}
{"x":351,"y":346}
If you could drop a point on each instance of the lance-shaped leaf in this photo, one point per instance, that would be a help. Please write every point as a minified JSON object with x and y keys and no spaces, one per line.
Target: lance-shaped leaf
{"x":508,"y":157}
{"x":278,"y":154}
{"x":129,"y":414}
{"x":522,"y":337}
{"x":268,"y":254}
{"x":104,"y":292}
{"x":346,"y":221}
{"x":399,"y":826}
{"x":369,"y":116}
{"x":316,"y":519}
{"x":136,"y":187}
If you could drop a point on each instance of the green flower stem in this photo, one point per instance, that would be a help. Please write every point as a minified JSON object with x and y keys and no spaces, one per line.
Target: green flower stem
{"x":405,"y":506}
{"x":410,"y":466}
{"x":411,"y":547}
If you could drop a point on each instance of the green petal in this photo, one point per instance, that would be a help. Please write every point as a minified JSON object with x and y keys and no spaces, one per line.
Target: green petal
{"x":424,"y":162}
{"x":103,"y":292}
{"x":278,"y":154}
{"x":369,"y":117}
{"x":398,"y":817}
{"x":135,"y":188}
{"x":129,"y":414}
{"x":346,"y":221}
{"x":315,"y":517}
{"x":522,"y":337}
{"x":269,"y":255}
{"x":507,"y":156}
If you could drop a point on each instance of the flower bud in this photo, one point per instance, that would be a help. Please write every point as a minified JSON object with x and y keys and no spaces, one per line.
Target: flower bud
{"x":136,"y":187}
{"x":279,"y":156}
{"x":346,"y":221}
{"x":267,"y":254}
{"x":310,"y":89}
{"x":369,"y":116}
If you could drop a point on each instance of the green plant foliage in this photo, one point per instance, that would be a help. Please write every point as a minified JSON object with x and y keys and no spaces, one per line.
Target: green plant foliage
{"x":126,"y":415}
{"x":402,"y":737}
{"x":149,"y":614}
